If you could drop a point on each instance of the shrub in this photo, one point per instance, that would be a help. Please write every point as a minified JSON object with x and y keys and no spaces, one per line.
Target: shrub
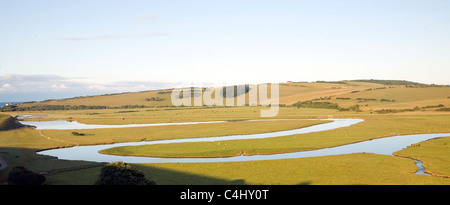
{"x":366,"y":99}
{"x":310,"y":104}
{"x":120,"y":173}
{"x":444,"y":109}
{"x":155,"y":99}
{"x":384,"y":111}
{"x":77,"y":134}
{"x":433,"y":106}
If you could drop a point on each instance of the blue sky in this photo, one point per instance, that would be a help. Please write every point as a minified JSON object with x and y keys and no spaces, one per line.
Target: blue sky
{"x":53,"y":49}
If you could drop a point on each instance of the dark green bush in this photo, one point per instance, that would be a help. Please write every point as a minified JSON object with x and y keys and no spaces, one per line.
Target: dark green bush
{"x":120,"y":173}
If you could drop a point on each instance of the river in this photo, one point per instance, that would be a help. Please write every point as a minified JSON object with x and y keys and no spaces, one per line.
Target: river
{"x":384,"y":146}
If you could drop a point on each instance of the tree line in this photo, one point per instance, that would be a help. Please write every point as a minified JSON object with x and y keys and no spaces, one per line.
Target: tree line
{"x":65,"y":107}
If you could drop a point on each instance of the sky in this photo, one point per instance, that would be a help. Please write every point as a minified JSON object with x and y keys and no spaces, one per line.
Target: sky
{"x":53,"y":49}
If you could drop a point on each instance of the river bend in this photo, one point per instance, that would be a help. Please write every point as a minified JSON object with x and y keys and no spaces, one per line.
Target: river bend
{"x":384,"y":146}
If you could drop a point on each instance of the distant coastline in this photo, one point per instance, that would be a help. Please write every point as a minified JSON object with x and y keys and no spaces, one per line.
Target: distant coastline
{"x":4,"y":103}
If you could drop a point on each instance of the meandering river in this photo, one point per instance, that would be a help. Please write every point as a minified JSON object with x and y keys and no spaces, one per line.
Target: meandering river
{"x":384,"y":146}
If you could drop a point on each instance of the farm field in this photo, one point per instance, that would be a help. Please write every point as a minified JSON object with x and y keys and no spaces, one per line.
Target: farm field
{"x":387,"y":110}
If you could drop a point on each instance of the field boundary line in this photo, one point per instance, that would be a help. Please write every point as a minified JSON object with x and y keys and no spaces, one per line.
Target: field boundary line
{"x":58,"y":140}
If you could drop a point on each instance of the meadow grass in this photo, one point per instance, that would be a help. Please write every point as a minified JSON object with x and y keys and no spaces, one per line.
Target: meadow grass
{"x":327,"y":170}
{"x":435,"y":154}
{"x":372,"y":127}
{"x":399,"y":97}
{"x":340,"y":169}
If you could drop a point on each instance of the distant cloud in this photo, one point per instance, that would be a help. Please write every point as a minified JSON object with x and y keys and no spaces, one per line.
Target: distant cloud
{"x":6,"y":87}
{"x":14,"y":87}
{"x":98,"y":87}
{"x":105,"y":37}
{"x":153,"y":18}
{"x":60,"y":86}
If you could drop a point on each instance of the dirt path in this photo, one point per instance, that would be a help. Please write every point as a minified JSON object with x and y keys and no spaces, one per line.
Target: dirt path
{"x":58,"y":140}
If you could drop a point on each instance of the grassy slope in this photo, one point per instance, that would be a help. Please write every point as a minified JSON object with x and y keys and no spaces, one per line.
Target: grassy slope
{"x":137,"y":98}
{"x":405,"y":98}
{"x":341,"y":169}
{"x":289,"y":94}
{"x":7,"y":123}
{"x":3,"y":119}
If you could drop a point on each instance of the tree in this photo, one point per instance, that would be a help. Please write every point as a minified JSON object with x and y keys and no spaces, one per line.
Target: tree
{"x":22,"y":176}
{"x":120,"y":173}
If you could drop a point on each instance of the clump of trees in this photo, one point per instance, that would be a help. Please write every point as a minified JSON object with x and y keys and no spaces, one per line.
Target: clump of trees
{"x":351,"y":108}
{"x":65,"y":107}
{"x":433,"y":106}
{"x":311,"y":104}
{"x":155,"y":99}
{"x":444,"y":109}
{"x":389,"y":82}
{"x":8,"y":108}
{"x":325,"y":105}
{"x":165,"y":92}
{"x":120,"y":173}
{"x":77,"y":134}
{"x":366,"y":99}
{"x":384,"y":111}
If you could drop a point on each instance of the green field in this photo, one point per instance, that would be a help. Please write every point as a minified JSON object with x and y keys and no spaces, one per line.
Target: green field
{"x":369,"y":129}
{"x":411,"y":109}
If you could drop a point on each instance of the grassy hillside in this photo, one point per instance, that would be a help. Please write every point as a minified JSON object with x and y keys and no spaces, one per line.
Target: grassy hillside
{"x":7,"y":122}
{"x":369,"y":95}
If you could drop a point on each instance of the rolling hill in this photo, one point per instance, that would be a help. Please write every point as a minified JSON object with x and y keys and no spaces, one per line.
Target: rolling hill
{"x":367,"y":95}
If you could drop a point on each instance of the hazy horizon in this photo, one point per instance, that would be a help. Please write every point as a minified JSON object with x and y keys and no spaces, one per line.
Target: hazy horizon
{"x":83,"y":89}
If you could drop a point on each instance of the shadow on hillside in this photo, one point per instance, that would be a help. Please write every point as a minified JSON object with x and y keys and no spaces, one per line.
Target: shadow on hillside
{"x":82,"y":172}
{"x":67,"y":172}
{"x":170,"y":177}
{"x":28,"y":158}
